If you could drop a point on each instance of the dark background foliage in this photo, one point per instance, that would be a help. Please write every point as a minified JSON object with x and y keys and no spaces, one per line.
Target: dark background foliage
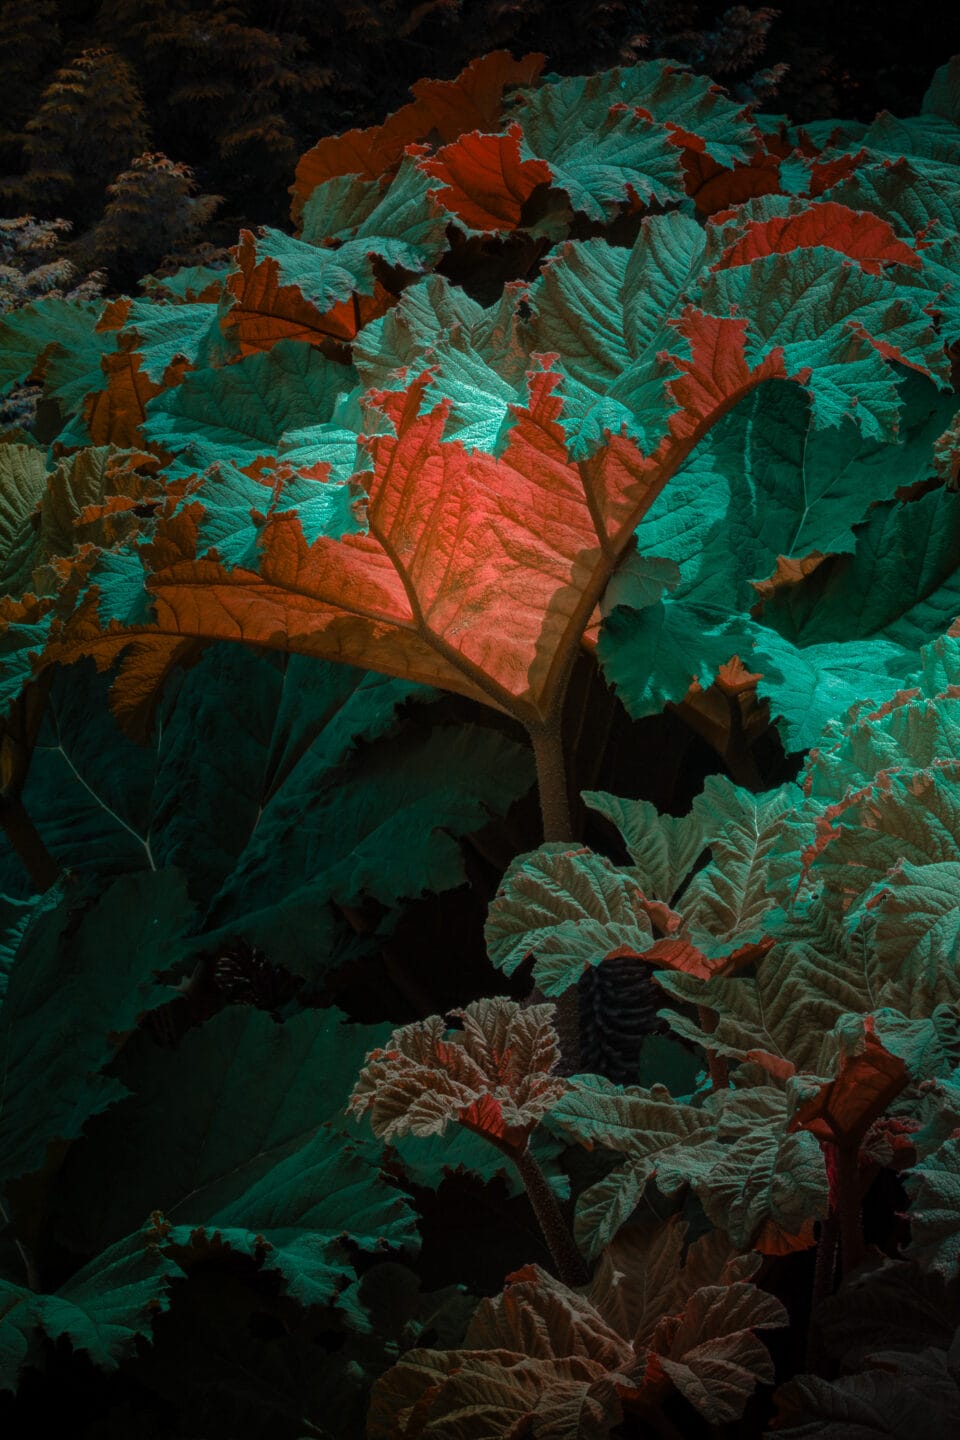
{"x":226,"y":94}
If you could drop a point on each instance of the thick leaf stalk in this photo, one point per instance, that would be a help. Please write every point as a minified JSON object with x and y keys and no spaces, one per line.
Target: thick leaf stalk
{"x":548,"y":754}
{"x":554,"y":793}
{"x":717,"y":1065}
{"x":846,"y":1171}
{"x":567,"y":1258}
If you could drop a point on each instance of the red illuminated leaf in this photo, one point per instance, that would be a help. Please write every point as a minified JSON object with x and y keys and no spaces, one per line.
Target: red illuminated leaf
{"x":772,"y":1239}
{"x":714,"y":188}
{"x":824,"y":174}
{"x":479,"y":572}
{"x":114,"y":415}
{"x":446,"y":108}
{"x":841,"y":1111}
{"x":473,"y":101}
{"x":485,"y":182}
{"x":264,"y":309}
{"x":865,"y":238}
{"x":684,"y":955}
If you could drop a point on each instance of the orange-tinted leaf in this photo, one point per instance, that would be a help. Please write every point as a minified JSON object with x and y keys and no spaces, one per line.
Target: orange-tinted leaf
{"x":474,"y":100}
{"x":683,"y":954}
{"x":264,"y":310}
{"x":774,"y":1065}
{"x":733,"y":677}
{"x":494,"y":1076}
{"x":728,"y":710}
{"x":446,"y":108}
{"x":114,"y":314}
{"x":478,"y":572}
{"x":772,"y":1239}
{"x":865,"y":238}
{"x":485,"y":182}
{"x":714,"y":188}
{"x":788,"y":572}
{"x":114,"y":415}
{"x":890,"y":1143}
{"x":824,"y":174}
{"x":842,"y":1110}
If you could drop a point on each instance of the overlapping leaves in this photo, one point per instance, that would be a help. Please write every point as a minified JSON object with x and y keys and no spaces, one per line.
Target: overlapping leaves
{"x":252,"y":787}
{"x":231,"y":1140}
{"x":544,"y":1355}
{"x":655,"y":344}
{"x":333,"y":451}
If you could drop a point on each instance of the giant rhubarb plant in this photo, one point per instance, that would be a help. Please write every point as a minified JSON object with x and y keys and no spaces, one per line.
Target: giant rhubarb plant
{"x":451,"y":507}
{"x":606,"y":364}
{"x":838,"y":1013}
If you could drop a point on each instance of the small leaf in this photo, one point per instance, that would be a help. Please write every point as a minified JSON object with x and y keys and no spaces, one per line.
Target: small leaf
{"x":494,"y":1076}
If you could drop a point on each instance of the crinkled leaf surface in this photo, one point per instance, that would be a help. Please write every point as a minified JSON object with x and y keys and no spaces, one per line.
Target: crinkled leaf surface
{"x":618,"y":134}
{"x":909,"y":1393}
{"x":663,"y":848}
{"x":766,"y":477}
{"x":934,"y":1191}
{"x":415,"y":595}
{"x":58,"y":339}
{"x":240,"y":414}
{"x":441,"y":108}
{"x":649,"y":1126}
{"x":568,"y":908}
{"x":645,"y":1325}
{"x":493,"y":1076}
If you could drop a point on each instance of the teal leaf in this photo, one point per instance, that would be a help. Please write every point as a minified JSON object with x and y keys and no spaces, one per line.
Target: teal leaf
{"x":257,"y":785}
{"x":228,"y":1136}
{"x":241,"y":413}
{"x":79,"y":980}
{"x":102,"y":1310}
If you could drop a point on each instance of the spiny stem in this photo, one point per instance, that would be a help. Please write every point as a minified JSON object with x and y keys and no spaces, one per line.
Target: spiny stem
{"x":547,"y":743}
{"x":848,"y":1207}
{"x":567,"y":1258}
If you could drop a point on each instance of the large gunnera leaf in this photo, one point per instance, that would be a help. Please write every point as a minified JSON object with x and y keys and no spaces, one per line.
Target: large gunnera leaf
{"x":545,"y":1355}
{"x":262,"y":781}
{"x":101,"y":1310}
{"x":83,"y":973}
{"x":230,"y":1137}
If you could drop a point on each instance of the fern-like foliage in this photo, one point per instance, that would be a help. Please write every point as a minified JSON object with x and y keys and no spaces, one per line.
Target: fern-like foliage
{"x":152,"y":214}
{"x":29,"y":47}
{"x":90,"y":124}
